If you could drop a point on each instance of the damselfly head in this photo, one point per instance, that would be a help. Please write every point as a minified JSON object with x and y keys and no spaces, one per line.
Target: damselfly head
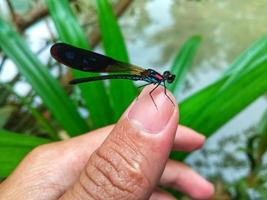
{"x":168,"y":76}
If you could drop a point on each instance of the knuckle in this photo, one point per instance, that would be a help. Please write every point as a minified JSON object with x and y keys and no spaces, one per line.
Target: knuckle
{"x":44,"y":151}
{"x":39,"y":150}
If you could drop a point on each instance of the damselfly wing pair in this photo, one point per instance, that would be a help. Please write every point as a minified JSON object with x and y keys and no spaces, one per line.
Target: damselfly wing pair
{"x":90,"y":61}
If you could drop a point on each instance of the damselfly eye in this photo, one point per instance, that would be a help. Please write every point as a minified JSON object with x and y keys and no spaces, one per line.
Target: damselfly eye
{"x":169,"y":76}
{"x":166,"y":74}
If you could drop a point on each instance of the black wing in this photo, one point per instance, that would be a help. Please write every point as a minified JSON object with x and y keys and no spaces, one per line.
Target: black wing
{"x":89,"y":61}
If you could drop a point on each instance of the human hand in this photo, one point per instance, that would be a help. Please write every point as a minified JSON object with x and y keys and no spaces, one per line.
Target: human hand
{"x":125,"y":161}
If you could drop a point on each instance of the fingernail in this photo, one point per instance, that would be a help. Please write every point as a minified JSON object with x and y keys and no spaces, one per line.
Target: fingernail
{"x":148,"y":116}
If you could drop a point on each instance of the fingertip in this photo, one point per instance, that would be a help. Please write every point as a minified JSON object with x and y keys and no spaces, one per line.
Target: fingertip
{"x":203,"y":189}
{"x":204,"y":192}
{"x":199,"y":139}
{"x":182,"y":178}
{"x":153,"y":110}
{"x":150,"y":87}
{"x":186,"y":139}
{"x":160,"y":194}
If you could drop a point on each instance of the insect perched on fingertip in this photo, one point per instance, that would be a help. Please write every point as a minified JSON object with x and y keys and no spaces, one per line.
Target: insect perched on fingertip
{"x":89,"y":61}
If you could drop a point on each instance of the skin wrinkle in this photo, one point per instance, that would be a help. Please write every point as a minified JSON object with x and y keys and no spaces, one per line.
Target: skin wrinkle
{"x":94,"y":192}
{"x":133,"y":162}
{"x":87,"y":175}
{"x":118,"y":174}
{"x":117,"y":190}
{"x":110,"y":160}
{"x":85,"y":190}
{"x":123,"y":171}
{"x":108,"y":177}
{"x":122,"y":166}
{"x":110,"y":188}
{"x":119,"y":153}
{"x":82,"y":192}
{"x":129,"y":131}
{"x":114,"y":145}
{"x":138,"y":142}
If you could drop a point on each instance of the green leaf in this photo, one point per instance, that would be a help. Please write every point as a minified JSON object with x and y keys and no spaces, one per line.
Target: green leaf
{"x":207,"y":110}
{"x":13,"y":148}
{"x":122,"y":91}
{"x":183,"y":62}
{"x":232,"y":90}
{"x":94,"y":94}
{"x":52,"y":94}
{"x":244,"y":61}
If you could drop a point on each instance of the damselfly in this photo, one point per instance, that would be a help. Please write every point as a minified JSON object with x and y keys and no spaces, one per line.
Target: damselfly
{"x":90,"y":61}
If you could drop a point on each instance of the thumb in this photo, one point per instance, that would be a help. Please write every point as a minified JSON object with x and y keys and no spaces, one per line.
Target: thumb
{"x":131,"y":160}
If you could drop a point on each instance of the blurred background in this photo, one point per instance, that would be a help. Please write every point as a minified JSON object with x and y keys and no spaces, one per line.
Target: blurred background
{"x":217,"y":49}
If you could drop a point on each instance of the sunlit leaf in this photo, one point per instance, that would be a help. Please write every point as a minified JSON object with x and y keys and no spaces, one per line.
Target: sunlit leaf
{"x":183,"y":62}
{"x":94,"y":94}
{"x":52,"y":94}
{"x":122,"y":91}
{"x":207,"y":110}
